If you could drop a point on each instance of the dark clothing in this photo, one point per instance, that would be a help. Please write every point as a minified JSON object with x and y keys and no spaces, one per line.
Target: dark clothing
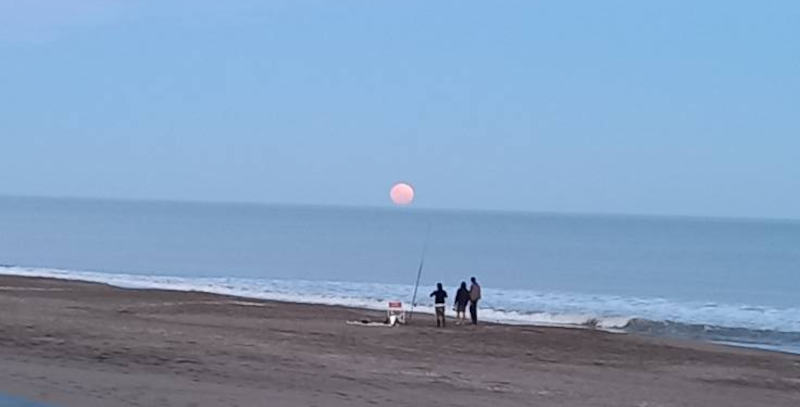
{"x":474,"y":297}
{"x":462,"y":298}
{"x":440,"y":296}
{"x":473,"y":311}
{"x":440,"y":316}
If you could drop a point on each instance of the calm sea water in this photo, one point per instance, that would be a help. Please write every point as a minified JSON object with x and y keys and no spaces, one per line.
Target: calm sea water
{"x":716,"y":279}
{"x":9,"y":401}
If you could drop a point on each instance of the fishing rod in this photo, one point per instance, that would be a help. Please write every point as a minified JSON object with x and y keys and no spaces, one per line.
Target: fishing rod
{"x":419,"y":271}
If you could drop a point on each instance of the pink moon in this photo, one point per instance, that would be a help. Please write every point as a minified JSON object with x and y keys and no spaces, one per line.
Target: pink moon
{"x":402,"y":193}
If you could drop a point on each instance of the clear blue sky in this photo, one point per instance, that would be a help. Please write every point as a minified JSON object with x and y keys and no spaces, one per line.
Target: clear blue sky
{"x":669,"y":107}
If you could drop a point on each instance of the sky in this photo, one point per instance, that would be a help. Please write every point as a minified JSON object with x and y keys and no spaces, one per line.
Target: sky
{"x":657,"y":107}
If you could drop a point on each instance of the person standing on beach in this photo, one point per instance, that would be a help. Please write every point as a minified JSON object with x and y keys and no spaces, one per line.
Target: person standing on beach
{"x":474,"y":297}
{"x":439,"y":302}
{"x":462,"y":299}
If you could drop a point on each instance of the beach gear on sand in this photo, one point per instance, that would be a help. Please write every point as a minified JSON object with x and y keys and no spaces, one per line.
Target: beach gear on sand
{"x":388,"y":323}
{"x":396,"y":309}
{"x":395,"y":314}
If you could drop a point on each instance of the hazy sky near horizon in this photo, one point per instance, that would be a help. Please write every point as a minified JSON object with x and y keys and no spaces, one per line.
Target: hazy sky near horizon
{"x":680,"y":107}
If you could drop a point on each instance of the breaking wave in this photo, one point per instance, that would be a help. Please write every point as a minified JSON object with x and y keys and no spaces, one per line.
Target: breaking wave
{"x":735,"y":324}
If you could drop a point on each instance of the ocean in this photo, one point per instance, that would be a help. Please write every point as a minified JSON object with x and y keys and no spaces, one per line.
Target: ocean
{"x":9,"y":401}
{"x":733,"y":281}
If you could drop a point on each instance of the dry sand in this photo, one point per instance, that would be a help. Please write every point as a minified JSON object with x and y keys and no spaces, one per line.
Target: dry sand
{"x":84,"y":345}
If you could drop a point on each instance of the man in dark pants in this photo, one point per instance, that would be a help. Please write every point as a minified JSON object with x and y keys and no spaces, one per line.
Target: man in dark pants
{"x":474,"y":297}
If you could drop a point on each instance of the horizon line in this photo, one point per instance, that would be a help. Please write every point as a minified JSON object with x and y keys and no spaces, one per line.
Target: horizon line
{"x":407,"y":208}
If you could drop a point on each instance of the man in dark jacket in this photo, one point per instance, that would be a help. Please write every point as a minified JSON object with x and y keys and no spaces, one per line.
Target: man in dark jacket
{"x":439,"y":302}
{"x":474,"y":297}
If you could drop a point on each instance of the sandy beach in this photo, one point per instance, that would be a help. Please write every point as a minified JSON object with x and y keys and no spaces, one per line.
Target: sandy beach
{"x":83,"y":345}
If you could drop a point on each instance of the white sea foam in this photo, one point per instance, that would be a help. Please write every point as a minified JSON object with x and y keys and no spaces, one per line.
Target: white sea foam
{"x":499,"y":305}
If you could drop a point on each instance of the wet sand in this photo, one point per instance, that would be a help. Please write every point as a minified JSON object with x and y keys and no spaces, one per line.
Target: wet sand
{"x":83,"y":345}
